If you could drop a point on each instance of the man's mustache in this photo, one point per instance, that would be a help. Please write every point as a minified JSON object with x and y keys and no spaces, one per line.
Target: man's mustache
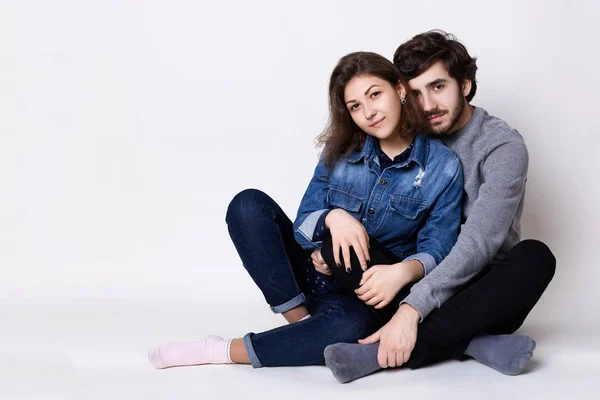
{"x":434,"y":113}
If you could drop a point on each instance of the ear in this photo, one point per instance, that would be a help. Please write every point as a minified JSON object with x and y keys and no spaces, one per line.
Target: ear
{"x":466,"y":87}
{"x":401,"y":90}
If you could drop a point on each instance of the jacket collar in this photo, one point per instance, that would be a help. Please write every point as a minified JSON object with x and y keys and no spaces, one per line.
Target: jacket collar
{"x":419,"y":153}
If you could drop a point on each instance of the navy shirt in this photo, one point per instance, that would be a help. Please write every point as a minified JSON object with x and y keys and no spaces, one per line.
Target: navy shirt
{"x":385,"y":161}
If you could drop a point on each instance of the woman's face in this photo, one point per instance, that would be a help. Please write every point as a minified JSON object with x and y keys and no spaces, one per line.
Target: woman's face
{"x":374,"y":105}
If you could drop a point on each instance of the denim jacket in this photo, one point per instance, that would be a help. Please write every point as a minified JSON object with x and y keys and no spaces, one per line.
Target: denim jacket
{"x":412,"y":208}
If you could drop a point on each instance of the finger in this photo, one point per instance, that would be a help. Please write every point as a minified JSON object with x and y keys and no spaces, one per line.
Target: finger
{"x":399,"y":359}
{"x":360,"y":254}
{"x":364,"y":244}
{"x":373,"y":301}
{"x":318,"y":263}
{"x":382,"y":304}
{"x":407,"y":355}
{"x":391,"y":359}
{"x":336,"y":253}
{"x":324,"y":270}
{"x":346,"y":255}
{"x":368,"y":295}
{"x":320,"y":258}
{"x":320,"y":266}
{"x":382,"y":358}
{"x":374,"y":338}
{"x":366,"y":275}
{"x":363,"y":289}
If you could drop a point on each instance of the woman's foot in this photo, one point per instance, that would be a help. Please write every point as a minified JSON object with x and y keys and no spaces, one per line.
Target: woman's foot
{"x":211,"y":350}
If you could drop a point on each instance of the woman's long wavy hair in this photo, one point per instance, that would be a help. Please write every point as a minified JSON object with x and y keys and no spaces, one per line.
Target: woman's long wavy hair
{"x":341,"y":135}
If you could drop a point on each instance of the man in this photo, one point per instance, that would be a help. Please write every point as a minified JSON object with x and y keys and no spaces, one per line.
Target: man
{"x":490,"y":281}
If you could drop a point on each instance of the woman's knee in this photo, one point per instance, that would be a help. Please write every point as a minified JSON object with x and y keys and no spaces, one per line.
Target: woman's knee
{"x":248,"y":203}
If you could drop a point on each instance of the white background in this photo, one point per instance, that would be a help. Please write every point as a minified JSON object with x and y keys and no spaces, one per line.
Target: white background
{"x":127,"y":126}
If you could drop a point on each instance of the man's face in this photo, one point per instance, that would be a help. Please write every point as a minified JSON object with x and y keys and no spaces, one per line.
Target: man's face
{"x":441,"y":98}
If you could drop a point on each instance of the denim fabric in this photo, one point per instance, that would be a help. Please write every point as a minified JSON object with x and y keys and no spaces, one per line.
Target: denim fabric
{"x":264,"y":238}
{"x":335,"y":318}
{"x":412,"y":208}
{"x":385,"y":162}
{"x":262,"y":235}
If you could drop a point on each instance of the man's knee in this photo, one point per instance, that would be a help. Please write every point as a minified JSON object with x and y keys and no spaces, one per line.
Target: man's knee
{"x":537,"y":255}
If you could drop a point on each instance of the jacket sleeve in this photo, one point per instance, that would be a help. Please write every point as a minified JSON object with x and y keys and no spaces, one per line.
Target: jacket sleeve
{"x":504,"y":176}
{"x":440,"y":230}
{"x":312,"y":206}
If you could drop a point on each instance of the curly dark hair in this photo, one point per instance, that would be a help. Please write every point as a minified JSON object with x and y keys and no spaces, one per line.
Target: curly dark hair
{"x":418,"y":54}
{"x":341,"y":135}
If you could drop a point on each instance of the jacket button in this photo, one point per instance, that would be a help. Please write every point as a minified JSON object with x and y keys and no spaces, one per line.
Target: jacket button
{"x":371,"y":211}
{"x":383,"y":181}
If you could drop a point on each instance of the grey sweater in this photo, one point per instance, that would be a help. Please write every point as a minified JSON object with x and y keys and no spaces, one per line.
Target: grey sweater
{"x":494,"y":160}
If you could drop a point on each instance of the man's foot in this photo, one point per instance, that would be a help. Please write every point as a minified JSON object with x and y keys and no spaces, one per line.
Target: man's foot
{"x":350,"y":361}
{"x":508,"y":354}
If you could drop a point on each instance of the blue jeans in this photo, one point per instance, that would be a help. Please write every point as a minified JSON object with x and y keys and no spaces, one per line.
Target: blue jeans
{"x":264,"y":239}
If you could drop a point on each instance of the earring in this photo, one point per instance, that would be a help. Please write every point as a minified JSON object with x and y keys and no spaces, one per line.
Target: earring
{"x":403,"y":101}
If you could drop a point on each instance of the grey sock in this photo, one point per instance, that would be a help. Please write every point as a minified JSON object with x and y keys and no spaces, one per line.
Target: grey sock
{"x":508,"y":354}
{"x":350,"y":361}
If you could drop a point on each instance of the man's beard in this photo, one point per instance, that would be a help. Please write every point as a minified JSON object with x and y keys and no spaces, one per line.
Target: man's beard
{"x":455,"y":116}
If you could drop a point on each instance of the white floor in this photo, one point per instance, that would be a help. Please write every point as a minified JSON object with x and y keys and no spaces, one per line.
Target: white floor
{"x":97,"y":350}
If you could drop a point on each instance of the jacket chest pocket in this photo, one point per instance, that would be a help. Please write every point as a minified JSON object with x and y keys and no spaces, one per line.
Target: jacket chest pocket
{"x":404,"y":216}
{"x":338,"y":198}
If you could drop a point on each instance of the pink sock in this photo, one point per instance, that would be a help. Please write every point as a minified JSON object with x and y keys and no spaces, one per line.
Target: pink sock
{"x":212,"y":350}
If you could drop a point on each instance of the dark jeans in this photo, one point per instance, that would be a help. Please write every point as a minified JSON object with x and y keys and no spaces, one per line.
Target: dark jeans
{"x":496,"y":302}
{"x":264,"y":239}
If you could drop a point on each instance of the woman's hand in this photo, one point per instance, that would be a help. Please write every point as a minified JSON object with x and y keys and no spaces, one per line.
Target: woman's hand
{"x":320,"y":264}
{"x":346,"y":231}
{"x":381,"y":283}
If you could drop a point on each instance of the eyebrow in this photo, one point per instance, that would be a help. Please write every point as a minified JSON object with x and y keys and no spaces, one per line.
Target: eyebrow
{"x":366,"y":92}
{"x":436,"y":82}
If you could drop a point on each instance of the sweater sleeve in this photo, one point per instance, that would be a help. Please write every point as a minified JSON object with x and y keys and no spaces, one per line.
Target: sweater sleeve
{"x":483,"y":233}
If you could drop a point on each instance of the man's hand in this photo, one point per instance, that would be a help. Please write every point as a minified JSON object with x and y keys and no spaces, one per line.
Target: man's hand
{"x":381,"y":283}
{"x":319,"y":263}
{"x":397,"y":337}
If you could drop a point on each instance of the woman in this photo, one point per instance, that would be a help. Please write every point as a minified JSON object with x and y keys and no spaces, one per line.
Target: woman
{"x":383,"y":199}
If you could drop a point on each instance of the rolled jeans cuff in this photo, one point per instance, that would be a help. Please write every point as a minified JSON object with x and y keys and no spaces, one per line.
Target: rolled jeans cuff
{"x":254,"y":361}
{"x":288,"y":305}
